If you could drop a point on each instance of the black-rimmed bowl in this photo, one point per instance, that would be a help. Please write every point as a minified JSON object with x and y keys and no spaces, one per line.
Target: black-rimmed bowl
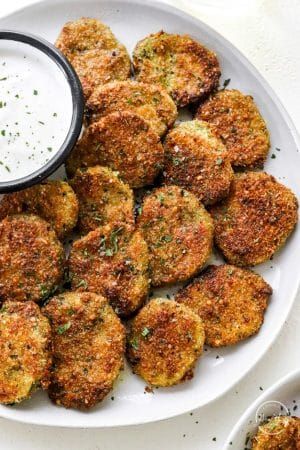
{"x":77,"y":115}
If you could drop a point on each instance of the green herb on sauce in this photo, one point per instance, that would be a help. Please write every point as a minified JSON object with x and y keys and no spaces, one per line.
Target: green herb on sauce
{"x":145,"y":332}
{"x":62,"y":328}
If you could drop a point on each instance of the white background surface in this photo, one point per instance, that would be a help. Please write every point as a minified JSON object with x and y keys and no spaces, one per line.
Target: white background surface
{"x":267,"y":32}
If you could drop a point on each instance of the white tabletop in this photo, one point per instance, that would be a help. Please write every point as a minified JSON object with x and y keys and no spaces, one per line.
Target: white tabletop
{"x":268,"y":33}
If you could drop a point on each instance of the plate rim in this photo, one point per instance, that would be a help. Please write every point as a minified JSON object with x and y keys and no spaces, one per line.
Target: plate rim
{"x":160,"y":5}
{"x":294,"y":374}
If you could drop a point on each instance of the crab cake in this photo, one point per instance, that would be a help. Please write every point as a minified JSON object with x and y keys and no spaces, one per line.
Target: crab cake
{"x":196,"y":160}
{"x":54,"y":201}
{"x":149,"y":101}
{"x":94,"y":52}
{"x":278,"y":433}
{"x":25,"y":351}
{"x":31,"y":258}
{"x":236,"y":120}
{"x":179,"y":234}
{"x":113,"y":262}
{"x":88,"y":348}
{"x":183,"y":66}
{"x":103,"y":199}
{"x":164,"y":342}
{"x":255,"y":220}
{"x":230,"y":301}
{"x":124,"y":142}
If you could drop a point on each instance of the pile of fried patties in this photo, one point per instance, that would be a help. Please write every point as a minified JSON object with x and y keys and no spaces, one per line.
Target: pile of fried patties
{"x":147,"y":200}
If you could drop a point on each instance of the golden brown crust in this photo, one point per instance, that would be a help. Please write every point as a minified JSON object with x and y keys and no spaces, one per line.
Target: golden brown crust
{"x":103,"y":199}
{"x":112,"y":262}
{"x":124,"y":142}
{"x":183,"y":66}
{"x":54,"y":201}
{"x":196,"y":160}
{"x":255,"y":220}
{"x":25,"y":351}
{"x":31,"y":258}
{"x":236,"y":120}
{"x":230,"y":301}
{"x":279,"y":433}
{"x":94,"y":52}
{"x":151,"y":102}
{"x":164,"y":342}
{"x":88,"y":347}
{"x":179,"y":233}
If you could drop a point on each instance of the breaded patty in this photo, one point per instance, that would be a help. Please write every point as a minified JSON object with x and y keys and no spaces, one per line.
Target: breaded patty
{"x":103,"y":199}
{"x":179,"y":234}
{"x":236,"y":120}
{"x":25,"y":351}
{"x":124,"y":142}
{"x":255,"y":220}
{"x":94,"y":52}
{"x":54,"y":201}
{"x":164,"y":342}
{"x":278,"y":433}
{"x":196,"y":160}
{"x":113,"y":262}
{"x":31,"y":258}
{"x":230,"y":301}
{"x":149,"y":101}
{"x":183,"y":66}
{"x":88,"y":348}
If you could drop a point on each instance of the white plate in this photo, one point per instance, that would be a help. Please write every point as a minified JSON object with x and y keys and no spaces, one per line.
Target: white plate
{"x":280,"y":399}
{"x":130,"y":21}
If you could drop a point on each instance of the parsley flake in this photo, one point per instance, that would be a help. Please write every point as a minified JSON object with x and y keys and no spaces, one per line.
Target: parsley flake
{"x":62,"y":328}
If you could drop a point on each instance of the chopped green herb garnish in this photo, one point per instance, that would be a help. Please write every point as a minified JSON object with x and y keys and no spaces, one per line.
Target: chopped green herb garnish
{"x":3,"y":132}
{"x":42,"y":123}
{"x":145,"y":332}
{"x":273,"y":156}
{"x":226,"y":82}
{"x":62,"y":328}
{"x":134,"y":344}
{"x":167,"y":238}
{"x":82,"y":283}
{"x":219,"y":161}
{"x":4,"y":78}
{"x":35,"y":92}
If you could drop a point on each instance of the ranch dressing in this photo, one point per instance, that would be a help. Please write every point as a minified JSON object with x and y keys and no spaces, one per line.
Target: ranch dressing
{"x":35,"y":109}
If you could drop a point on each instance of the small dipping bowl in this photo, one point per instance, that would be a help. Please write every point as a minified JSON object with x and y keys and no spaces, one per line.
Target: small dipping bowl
{"x":41,"y":109}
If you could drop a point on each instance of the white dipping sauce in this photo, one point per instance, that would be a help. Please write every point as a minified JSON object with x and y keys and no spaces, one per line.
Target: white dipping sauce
{"x":35,"y":109}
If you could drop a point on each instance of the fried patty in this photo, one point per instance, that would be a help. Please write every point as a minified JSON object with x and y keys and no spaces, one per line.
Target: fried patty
{"x":255,"y":220}
{"x":94,"y":52}
{"x":236,"y":120}
{"x":164,"y":342}
{"x":198,"y":161}
{"x":54,"y":201}
{"x":230,"y":301}
{"x":25,"y":351}
{"x":124,"y":142}
{"x":113,"y":262}
{"x":103,"y":199}
{"x":88,"y":348}
{"x":278,"y":433}
{"x":31,"y":258}
{"x":149,"y":101}
{"x":183,"y":66}
{"x":179,"y":234}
